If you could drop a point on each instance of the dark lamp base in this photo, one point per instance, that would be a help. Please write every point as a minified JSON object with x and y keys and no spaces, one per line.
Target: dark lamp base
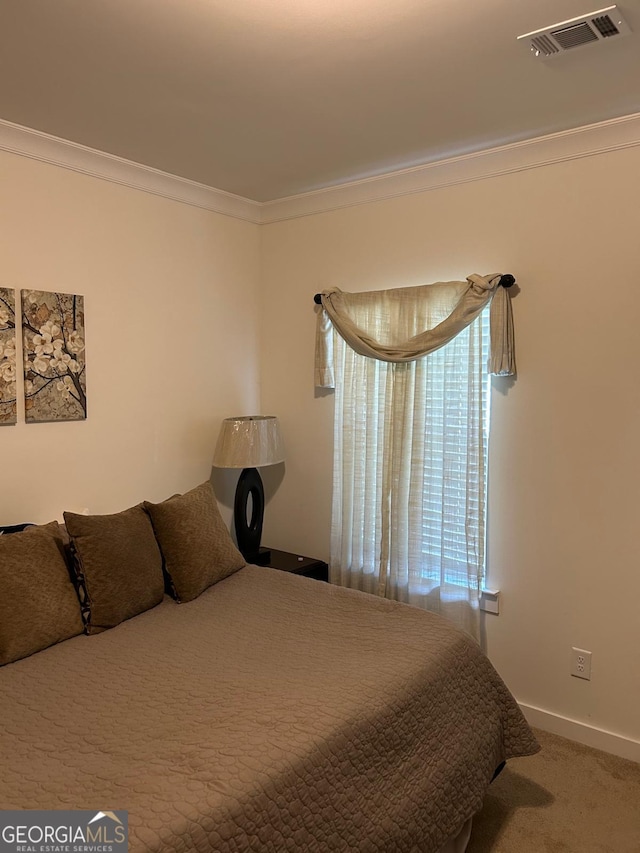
{"x":249,"y":532}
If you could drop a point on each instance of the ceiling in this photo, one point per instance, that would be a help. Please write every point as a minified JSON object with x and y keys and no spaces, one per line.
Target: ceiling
{"x":271,"y":98}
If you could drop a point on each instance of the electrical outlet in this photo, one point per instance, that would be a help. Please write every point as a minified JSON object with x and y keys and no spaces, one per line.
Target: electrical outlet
{"x":490,"y":600}
{"x":581,"y":663}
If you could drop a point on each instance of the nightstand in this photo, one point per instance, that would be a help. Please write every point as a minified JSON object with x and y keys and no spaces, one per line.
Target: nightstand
{"x":309,"y":567}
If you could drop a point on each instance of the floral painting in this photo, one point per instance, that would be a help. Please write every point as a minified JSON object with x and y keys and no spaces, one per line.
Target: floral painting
{"x":8,"y":411}
{"x":54,"y":356}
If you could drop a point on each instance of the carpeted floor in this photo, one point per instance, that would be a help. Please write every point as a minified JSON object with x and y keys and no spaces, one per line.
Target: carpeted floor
{"x":566,"y":799}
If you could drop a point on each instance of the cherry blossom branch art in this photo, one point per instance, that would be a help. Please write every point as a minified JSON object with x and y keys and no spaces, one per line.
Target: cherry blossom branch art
{"x":8,"y":369}
{"x":54,"y":356}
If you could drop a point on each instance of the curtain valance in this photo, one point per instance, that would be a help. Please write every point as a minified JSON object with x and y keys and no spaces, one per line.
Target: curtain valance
{"x":440,"y":311}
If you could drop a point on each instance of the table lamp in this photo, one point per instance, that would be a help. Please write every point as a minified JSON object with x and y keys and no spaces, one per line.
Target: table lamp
{"x":249,"y":443}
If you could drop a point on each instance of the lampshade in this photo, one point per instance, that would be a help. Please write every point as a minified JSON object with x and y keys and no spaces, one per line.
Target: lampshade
{"x":249,"y":442}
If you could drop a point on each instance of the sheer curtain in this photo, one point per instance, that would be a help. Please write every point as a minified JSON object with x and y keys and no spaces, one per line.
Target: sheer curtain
{"x":410,"y":458}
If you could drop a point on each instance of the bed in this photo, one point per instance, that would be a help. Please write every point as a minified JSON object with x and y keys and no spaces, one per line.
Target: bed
{"x":269,"y":712}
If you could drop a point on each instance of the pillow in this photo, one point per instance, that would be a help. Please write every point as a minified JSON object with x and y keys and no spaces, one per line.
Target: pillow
{"x":195,"y":543}
{"x":15,"y":528}
{"x":118,"y":566}
{"x":38,"y":604}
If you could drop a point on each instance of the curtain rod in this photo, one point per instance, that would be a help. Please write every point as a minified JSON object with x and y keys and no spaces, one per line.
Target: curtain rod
{"x":506,"y":281}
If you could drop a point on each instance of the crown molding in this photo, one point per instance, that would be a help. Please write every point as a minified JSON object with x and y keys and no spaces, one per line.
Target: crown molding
{"x":87,"y":161}
{"x":611,"y":135}
{"x":589,"y":140}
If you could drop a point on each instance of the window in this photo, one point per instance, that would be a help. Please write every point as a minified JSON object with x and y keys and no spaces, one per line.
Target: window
{"x":455,"y":459}
{"x":410,"y":463}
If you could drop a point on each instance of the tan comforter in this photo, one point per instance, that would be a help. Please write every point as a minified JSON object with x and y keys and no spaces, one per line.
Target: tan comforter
{"x":273,"y":713}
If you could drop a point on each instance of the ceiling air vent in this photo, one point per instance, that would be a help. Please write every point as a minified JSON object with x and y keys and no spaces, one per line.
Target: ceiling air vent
{"x":587,"y":29}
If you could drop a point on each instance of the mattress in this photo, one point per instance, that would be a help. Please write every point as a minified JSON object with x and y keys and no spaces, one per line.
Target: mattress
{"x":272,"y":713}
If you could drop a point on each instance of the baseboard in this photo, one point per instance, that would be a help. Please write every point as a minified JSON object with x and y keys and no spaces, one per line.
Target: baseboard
{"x":582,"y":733}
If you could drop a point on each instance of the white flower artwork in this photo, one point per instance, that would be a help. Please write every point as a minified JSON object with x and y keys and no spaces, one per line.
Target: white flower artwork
{"x":54,"y":356}
{"x":8,"y":369}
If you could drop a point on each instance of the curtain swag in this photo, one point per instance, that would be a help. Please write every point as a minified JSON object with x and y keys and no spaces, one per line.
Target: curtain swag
{"x":460,"y":302}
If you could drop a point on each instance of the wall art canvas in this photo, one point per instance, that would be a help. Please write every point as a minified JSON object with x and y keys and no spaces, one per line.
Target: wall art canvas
{"x":8,"y":409}
{"x":54,"y":356}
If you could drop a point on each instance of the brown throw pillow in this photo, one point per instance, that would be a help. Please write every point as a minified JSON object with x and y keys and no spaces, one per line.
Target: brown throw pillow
{"x":38,"y":604}
{"x":118,"y":563}
{"x":195,"y":543}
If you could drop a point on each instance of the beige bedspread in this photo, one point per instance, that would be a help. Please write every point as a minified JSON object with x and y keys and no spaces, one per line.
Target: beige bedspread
{"x":273,"y":713}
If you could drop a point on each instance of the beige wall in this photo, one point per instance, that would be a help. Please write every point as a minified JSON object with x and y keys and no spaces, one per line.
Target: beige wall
{"x":565,"y":449}
{"x":172,"y":328}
